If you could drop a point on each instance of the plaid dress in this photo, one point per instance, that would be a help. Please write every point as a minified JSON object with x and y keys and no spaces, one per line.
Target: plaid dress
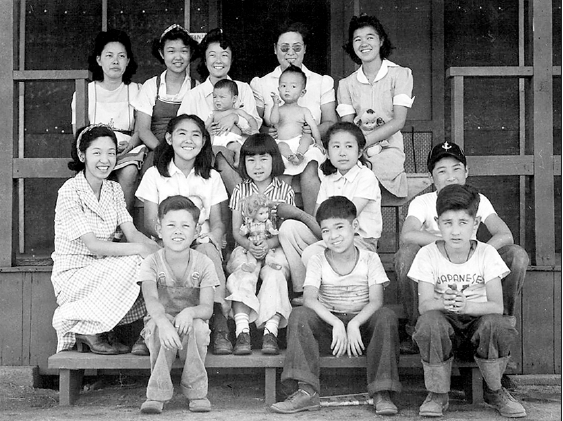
{"x":94,"y":293}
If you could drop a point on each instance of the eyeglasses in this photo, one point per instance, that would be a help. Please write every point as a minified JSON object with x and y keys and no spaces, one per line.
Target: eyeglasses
{"x":297,"y":48}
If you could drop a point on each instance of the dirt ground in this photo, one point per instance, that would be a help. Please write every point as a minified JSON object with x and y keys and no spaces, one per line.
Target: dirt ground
{"x":119,"y":397}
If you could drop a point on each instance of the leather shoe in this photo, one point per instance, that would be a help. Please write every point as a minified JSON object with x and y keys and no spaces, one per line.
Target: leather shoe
{"x":221,"y":344}
{"x":270,"y":345}
{"x":243,"y":347}
{"x":140,"y":347}
{"x":98,"y":344}
{"x":383,"y":404}
{"x":114,"y":341}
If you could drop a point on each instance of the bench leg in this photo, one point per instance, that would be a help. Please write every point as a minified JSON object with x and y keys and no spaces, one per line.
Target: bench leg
{"x":473,"y":384}
{"x":270,"y":386}
{"x":70,"y":382}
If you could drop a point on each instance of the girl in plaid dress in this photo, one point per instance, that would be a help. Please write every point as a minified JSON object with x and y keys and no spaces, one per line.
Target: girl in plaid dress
{"x":260,"y":166}
{"x":93,"y":277}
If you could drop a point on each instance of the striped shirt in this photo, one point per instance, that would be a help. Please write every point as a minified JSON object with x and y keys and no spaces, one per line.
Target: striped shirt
{"x":277,"y":192}
{"x":345,"y":293}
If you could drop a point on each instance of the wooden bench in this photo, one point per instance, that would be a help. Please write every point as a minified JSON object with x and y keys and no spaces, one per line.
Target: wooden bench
{"x":71,"y":366}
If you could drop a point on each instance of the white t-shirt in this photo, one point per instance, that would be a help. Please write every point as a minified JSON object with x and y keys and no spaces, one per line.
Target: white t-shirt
{"x":113,"y":108}
{"x":359,"y":182}
{"x":155,"y":188}
{"x":423,"y":208}
{"x":345,"y":293}
{"x":485,"y":264}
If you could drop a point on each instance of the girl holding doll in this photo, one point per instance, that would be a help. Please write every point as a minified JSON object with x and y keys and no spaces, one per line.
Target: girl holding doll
{"x":93,"y":277}
{"x":184,"y":167}
{"x":260,"y":166}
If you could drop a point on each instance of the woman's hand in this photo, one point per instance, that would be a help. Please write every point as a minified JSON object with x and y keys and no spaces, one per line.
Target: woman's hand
{"x":224,"y":125}
{"x":355,"y":344}
{"x":339,"y":339}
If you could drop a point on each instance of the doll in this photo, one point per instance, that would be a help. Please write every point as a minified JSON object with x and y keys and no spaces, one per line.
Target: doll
{"x":368,"y":121}
{"x":258,"y":226}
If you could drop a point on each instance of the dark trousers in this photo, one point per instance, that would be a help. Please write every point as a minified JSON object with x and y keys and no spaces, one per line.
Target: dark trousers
{"x":309,"y":337}
{"x":441,"y":335}
{"x":514,"y":256}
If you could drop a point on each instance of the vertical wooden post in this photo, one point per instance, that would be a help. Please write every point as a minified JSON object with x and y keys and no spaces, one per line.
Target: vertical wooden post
{"x":104,"y":16}
{"x":457,"y":110}
{"x":7,"y":224}
{"x":542,"y":122}
{"x":21,"y":128}
{"x":187,"y":14}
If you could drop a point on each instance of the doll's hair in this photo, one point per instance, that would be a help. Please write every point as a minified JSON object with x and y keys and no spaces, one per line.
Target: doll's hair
{"x":104,"y":38}
{"x":253,"y":203}
{"x":344,"y":126}
{"x":362,"y":21}
{"x":164,"y":152}
{"x":289,"y":26}
{"x":172,"y":33}
{"x":261,"y":144}
{"x":215,"y":36}
{"x":84,"y":138}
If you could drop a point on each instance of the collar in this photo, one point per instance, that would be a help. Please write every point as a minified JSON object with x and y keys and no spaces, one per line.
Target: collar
{"x":275,"y":183}
{"x":385,"y":64}
{"x":187,"y":79}
{"x":173,"y":169}
{"x":278,"y":71}
{"x":351,"y":175}
{"x":87,"y":195}
{"x":207,"y":86}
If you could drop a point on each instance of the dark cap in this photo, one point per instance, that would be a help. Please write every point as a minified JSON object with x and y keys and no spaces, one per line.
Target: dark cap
{"x":442,"y":150}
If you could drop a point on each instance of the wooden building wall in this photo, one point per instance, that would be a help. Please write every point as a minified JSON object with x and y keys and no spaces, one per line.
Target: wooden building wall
{"x":431,"y":37}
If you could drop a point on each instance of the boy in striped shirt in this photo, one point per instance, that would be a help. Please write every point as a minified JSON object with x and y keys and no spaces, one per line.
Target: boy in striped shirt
{"x":343,"y":313}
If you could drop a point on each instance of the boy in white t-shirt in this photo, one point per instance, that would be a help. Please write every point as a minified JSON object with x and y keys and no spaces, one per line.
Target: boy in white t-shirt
{"x":448,"y":165}
{"x":461,"y":305}
{"x":343,"y":313}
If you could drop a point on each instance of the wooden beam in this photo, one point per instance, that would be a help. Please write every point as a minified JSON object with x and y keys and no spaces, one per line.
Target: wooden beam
{"x":41,"y":168}
{"x":501,"y":165}
{"x":7,"y":223}
{"x":492,"y":71}
{"x":457,"y":129}
{"x":542,"y":123}
{"x":29,"y":75}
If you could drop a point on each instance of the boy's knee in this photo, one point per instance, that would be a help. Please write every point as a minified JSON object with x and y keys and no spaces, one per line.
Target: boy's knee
{"x":299,"y":316}
{"x":288,"y":229}
{"x":515,"y":257}
{"x":428,"y":322}
{"x":386,"y":317}
{"x":201,"y":331}
{"x":493,"y":322}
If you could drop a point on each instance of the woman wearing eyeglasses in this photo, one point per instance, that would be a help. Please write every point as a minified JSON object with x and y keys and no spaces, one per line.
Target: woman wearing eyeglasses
{"x":290,"y":48}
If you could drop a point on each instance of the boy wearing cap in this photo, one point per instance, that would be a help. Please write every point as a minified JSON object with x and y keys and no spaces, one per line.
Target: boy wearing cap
{"x":447,"y":165}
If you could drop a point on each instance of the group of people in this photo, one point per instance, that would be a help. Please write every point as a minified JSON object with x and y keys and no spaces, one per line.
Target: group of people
{"x":221,"y":155}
